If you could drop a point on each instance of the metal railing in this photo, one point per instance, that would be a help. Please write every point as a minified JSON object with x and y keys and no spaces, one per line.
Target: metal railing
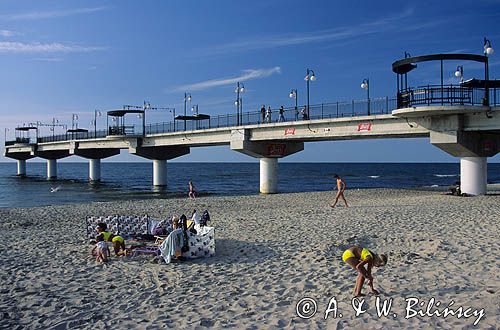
{"x":427,"y":95}
{"x":447,"y":95}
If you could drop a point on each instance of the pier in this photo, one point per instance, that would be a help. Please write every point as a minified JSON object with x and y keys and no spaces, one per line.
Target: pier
{"x":462,"y":120}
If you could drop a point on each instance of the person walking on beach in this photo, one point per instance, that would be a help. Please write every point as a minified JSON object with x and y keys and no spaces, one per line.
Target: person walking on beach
{"x":282,"y":114}
{"x":192,"y":192}
{"x":263,"y":113}
{"x":341,"y":186}
{"x":357,"y":257}
{"x":268,"y":114}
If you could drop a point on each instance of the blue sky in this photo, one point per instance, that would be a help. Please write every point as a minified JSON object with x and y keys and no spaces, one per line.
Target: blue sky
{"x":64,"y":57}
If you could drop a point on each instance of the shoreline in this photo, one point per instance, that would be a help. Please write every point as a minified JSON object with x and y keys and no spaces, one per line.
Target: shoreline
{"x":271,"y":252}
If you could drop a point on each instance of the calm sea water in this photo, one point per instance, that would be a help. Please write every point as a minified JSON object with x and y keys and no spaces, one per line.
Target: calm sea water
{"x":133,"y":180}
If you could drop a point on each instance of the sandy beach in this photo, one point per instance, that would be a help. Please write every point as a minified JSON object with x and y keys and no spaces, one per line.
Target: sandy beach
{"x":271,"y":252}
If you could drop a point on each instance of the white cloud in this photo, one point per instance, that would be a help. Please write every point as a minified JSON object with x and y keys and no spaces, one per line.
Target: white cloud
{"x":50,"y":14}
{"x":247,"y":75}
{"x":341,"y":33}
{"x":48,"y":59}
{"x":7,"y":33}
{"x":36,"y":47}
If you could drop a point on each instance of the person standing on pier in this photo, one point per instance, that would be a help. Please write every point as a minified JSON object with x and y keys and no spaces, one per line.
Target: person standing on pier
{"x":282,"y":114}
{"x":304,"y":113}
{"x":341,"y":186}
{"x":263,"y":113}
{"x":268,"y":114}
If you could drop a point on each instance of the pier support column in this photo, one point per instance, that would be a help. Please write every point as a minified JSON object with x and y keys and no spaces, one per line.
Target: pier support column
{"x":159,"y":172}
{"x":159,"y":155}
{"x":94,"y":170}
{"x":268,"y":175}
{"x":51,"y":169}
{"x":268,"y":153}
{"x":21,"y":167}
{"x":473,"y":175}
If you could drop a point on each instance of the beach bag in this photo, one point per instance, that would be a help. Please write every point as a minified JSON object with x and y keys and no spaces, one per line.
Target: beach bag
{"x":205,"y":218}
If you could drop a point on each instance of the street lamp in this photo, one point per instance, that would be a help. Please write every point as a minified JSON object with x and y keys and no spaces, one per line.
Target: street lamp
{"x":240,"y":88}
{"x":97,"y":113}
{"x":366,"y":85}
{"x":293,"y":95}
{"x":310,"y":76}
{"x":74,"y":118}
{"x":187,"y":97}
{"x":194,"y":109}
{"x":460,"y":73}
{"x":488,"y":50}
{"x":172,"y":111}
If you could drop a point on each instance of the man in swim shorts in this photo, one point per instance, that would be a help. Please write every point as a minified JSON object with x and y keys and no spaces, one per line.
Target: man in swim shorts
{"x":357,"y":257}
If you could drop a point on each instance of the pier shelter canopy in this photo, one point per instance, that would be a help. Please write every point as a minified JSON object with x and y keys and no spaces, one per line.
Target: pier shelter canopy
{"x":465,"y":93}
{"x":118,"y":126}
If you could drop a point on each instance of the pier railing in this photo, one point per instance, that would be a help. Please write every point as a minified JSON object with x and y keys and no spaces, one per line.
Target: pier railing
{"x":419,"y":96}
{"x":447,"y":95}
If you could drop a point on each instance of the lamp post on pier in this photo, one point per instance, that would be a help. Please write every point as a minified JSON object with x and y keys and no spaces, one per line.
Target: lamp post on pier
{"x":240,"y":88}
{"x":310,"y":76}
{"x":187,"y":97}
{"x":366,"y":85}
{"x":459,"y":73}
{"x":488,"y":50}
{"x":97,"y":113}
{"x":194,"y":109}
{"x":293,"y":95}
{"x":172,"y":111}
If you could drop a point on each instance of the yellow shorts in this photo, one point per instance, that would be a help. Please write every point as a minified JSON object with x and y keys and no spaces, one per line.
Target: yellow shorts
{"x":365,"y":253}
{"x":118,"y":239}
{"x":347,"y":254}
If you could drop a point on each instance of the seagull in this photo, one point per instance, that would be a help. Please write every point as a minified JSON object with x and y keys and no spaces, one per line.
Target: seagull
{"x":53,"y":190}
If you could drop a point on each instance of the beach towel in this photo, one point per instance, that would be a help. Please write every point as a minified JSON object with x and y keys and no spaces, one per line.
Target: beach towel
{"x":200,"y":245}
{"x":172,"y":245}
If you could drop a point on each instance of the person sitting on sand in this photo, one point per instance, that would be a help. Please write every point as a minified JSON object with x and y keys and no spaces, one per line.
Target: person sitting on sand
{"x":357,"y":257}
{"x":192,"y":192}
{"x":101,"y":249}
{"x":117,"y":241}
{"x":341,"y":186}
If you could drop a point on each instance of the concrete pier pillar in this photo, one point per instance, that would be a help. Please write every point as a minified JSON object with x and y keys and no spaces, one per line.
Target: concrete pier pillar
{"x":473,"y":175}
{"x":51,"y":169}
{"x":268,"y":175}
{"x":94,"y":170}
{"x":21,"y":167}
{"x":159,"y":172}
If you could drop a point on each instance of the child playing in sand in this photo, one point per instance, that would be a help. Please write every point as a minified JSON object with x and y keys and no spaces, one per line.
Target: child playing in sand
{"x":357,"y":257}
{"x":101,"y":250}
{"x":117,"y":241}
{"x":341,"y":188}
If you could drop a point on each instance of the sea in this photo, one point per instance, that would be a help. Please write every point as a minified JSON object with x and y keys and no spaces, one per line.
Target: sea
{"x":125,"y":181}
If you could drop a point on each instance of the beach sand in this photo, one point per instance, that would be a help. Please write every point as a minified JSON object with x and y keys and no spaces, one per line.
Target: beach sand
{"x":271,"y":252}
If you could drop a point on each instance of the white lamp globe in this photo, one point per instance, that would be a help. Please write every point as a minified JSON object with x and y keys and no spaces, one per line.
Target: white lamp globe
{"x":313,"y":78}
